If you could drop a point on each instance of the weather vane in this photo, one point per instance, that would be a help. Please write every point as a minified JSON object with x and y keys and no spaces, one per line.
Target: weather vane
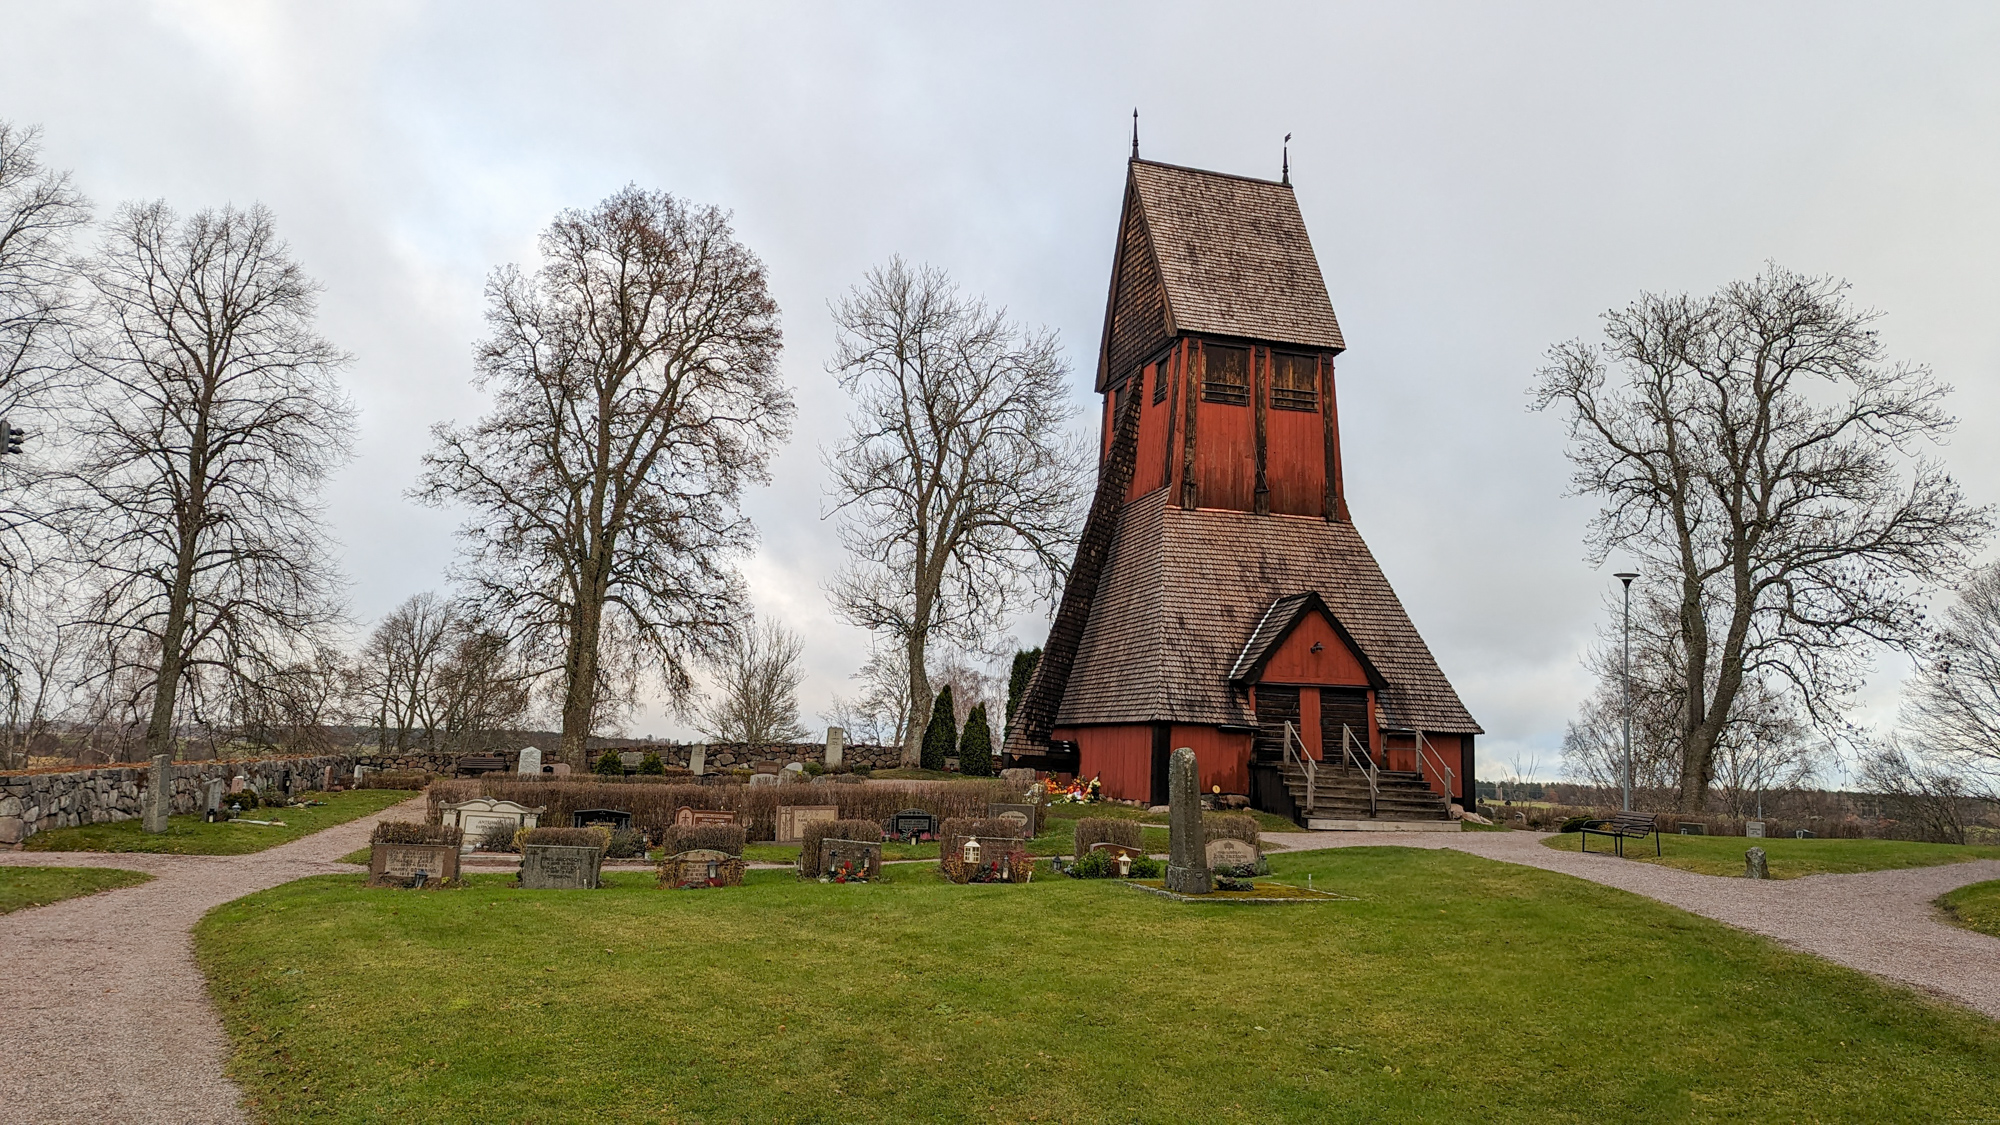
{"x":1286,"y":175}
{"x":1135,"y":132}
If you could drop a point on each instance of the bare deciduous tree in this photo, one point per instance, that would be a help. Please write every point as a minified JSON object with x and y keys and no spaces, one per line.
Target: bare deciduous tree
{"x":879,"y":713}
{"x":1931,"y":793}
{"x":636,"y":390}
{"x":434,"y":676}
{"x":211,"y":422}
{"x":1952,"y":705}
{"x":756,"y":696}
{"x":1761,"y":457}
{"x":960,"y":490}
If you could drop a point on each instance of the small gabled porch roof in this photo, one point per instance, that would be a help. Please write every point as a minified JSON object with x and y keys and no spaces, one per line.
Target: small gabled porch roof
{"x":1280,"y":618}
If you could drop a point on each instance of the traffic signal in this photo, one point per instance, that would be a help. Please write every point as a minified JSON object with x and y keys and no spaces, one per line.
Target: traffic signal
{"x":10,"y":438}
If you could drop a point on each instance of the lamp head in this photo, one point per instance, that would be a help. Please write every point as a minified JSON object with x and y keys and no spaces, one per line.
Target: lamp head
{"x":1626,"y":576}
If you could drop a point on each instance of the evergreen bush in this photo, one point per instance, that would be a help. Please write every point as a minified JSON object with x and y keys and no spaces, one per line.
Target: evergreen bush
{"x":975,"y":746}
{"x":652,"y":766}
{"x":1025,"y":661}
{"x":609,"y":765}
{"x":941,"y":736}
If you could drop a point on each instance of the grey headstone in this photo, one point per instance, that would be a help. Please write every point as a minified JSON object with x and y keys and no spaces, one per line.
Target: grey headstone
{"x":159,"y":794}
{"x":1754,"y":829}
{"x":763,"y":779}
{"x":631,"y":759}
{"x":551,"y":867}
{"x":212,"y":798}
{"x":1187,"y":856}
{"x":531,"y":760}
{"x":1754,"y":864}
{"x":698,"y":760}
{"x":836,"y":747}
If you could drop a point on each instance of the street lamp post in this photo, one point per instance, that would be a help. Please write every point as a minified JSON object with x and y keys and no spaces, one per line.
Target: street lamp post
{"x":1626,"y":667}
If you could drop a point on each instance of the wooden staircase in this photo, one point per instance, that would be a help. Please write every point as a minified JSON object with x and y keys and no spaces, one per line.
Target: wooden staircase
{"x":1342,"y":796}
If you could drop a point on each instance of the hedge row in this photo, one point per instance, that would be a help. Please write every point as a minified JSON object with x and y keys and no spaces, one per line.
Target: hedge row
{"x":809,"y":865}
{"x":411,"y":832}
{"x":1104,"y":830}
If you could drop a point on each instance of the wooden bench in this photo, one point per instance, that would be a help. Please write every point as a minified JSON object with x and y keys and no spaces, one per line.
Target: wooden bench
{"x":1620,"y":828}
{"x":481,"y":763}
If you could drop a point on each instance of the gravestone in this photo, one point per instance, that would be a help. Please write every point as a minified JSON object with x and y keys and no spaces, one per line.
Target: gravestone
{"x":631,"y":760}
{"x":555,"y":867}
{"x":531,"y":760}
{"x":1228,"y":851}
{"x":1754,"y":864}
{"x":763,"y":779}
{"x":1803,"y":834}
{"x":211,"y":800}
{"x":360,"y":772}
{"x":479,"y":815}
{"x":836,"y":747}
{"x":1753,"y":829}
{"x":698,"y":760}
{"x":701,"y":867}
{"x":410,"y":865}
{"x":1187,"y":861}
{"x":793,"y":771}
{"x":560,"y":769}
{"x":771,"y":768}
{"x":159,"y":793}
{"x":1018,"y":776}
{"x":792,"y":820}
{"x":1117,"y":850}
{"x":326,"y":779}
{"x":1023,"y":815}
{"x":1694,"y":829}
{"x":864,"y":855}
{"x":686,"y":817}
{"x":614,"y":819}
{"x":911,"y":823}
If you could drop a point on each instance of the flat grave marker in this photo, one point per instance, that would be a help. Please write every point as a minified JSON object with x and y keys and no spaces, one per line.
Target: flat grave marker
{"x":555,"y":867}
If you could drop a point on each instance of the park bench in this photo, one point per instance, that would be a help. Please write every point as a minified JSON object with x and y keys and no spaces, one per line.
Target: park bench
{"x":1620,"y":828}
{"x":481,"y":763}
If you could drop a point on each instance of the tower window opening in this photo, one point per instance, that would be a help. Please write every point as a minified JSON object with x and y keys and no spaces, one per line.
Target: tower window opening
{"x":1294,"y":381}
{"x":1226,"y":375}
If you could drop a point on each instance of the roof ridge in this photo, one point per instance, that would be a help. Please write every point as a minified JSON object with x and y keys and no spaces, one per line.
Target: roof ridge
{"x":1213,"y":172}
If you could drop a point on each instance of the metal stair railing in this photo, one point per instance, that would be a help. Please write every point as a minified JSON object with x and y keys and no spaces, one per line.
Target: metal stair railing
{"x":1308,"y":764}
{"x":1425,"y":752}
{"x":1348,"y":745}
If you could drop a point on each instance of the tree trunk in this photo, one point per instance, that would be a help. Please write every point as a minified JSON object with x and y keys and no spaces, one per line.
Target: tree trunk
{"x":580,"y":697}
{"x":166,"y":687}
{"x":920,"y":702}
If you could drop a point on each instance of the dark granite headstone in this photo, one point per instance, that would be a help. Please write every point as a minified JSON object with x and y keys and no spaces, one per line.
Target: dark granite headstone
{"x":1187,"y":856}
{"x":614,"y":819}
{"x":553,"y":867}
{"x":913,"y":822}
{"x":1027,"y":816}
{"x":1694,"y":829}
{"x":1803,"y":834}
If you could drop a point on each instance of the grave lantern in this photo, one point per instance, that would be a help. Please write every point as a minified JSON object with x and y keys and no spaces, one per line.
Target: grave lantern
{"x":714,"y":871}
{"x":972,"y":853}
{"x":1124,"y":865}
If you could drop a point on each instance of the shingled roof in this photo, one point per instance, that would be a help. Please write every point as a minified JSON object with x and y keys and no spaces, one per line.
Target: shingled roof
{"x":1183,"y":591}
{"x":1277,"y":623}
{"x":1234,"y":256}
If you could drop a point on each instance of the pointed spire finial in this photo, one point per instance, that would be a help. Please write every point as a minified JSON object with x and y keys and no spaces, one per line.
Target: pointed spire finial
{"x":1135,"y":132}
{"x":1287,"y":175}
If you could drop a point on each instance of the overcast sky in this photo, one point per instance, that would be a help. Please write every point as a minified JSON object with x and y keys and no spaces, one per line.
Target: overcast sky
{"x":1479,"y":183}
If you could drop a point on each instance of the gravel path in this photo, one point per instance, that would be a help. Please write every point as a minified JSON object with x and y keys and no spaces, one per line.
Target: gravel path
{"x":1880,"y":922}
{"x":105,"y":1016}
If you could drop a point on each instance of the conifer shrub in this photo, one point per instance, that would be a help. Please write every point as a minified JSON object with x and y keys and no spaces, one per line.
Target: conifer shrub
{"x":651,"y":765}
{"x":609,"y":765}
{"x":941,"y":736}
{"x":625,"y":843}
{"x":1104,"y":830}
{"x":975,"y":747}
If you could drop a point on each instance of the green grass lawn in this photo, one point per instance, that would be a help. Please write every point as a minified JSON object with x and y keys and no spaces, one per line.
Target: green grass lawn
{"x":1976,"y":907}
{"x":1788,"y":858}
{"x":40,"y":886}
{"x":190,"y":835}
{"x":1453,"y":988}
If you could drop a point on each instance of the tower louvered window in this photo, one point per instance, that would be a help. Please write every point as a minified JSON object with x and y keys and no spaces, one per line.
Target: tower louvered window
{"x":1294,"y":381}
{"x":1160,"y":379}
{"x":1226,"y":375}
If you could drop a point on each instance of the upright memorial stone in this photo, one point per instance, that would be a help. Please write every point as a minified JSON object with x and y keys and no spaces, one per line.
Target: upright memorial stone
{"x":698,"y":760}
{"x":159,"y":793}
{"x":211,"y":802}
{"x":531,"y":761}
{"x":836,"y":747}
{"x":1187,"y":857}
{"x":1755,"y":865}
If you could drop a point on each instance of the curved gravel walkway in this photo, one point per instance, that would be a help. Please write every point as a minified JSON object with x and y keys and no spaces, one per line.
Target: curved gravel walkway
{"x":105,"y":1015}
{"x":1880,"y":922}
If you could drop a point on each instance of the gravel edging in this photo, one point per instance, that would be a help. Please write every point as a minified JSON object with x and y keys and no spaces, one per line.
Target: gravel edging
{"x":106,"y":985}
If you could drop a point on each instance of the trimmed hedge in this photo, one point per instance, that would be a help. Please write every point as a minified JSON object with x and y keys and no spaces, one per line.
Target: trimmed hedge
{"x":809,"y":866}
{"x":564,"y":837}
{"x":1104,"y":830}
{"x":411,"y":832}
{"x":1230,"y":826}
{"x":395,"y":779}
{"x":721,"y":837}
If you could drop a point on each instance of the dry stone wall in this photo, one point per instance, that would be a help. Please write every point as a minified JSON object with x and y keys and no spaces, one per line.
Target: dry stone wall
{"x":32,"y":802}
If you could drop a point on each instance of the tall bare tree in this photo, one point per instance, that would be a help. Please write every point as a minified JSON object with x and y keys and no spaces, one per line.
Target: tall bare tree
{"x":960,"y":488}
{"x":756,"y":693}
{"x":1761,"y":457}
{"x":40,"y":211}
{"x":636,"y":390}
{"x":1951,"y":707}
{"x":212,"y":421}
{"x":879,"y":713}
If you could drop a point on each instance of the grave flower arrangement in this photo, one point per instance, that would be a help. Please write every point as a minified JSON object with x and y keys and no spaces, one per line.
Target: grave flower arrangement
{"x":846,"y":872}
{"x":1077,"y":792}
